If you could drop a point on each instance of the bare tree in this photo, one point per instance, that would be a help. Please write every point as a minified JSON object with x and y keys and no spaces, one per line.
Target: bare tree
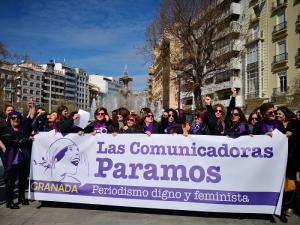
{"x":193,"y":26}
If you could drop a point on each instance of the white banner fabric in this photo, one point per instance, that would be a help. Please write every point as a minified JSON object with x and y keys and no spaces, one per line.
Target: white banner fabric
{"x":196,"y":173}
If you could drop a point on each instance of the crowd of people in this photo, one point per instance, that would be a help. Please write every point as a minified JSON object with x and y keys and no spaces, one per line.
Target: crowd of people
{"x":17,"y":132}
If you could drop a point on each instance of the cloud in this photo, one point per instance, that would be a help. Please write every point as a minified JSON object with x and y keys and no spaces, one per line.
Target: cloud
{"x":98,"y":36}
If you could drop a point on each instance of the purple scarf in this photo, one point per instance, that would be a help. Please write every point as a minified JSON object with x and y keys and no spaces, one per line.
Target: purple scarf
{"x":148,"y":128}
{"x":100,"y":127}
{"x":169,"y":127}
{"x":269,"y":126}
{"x":197,"y":127}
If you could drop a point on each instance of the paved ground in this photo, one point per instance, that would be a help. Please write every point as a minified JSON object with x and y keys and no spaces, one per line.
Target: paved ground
{"x":73,"y":214}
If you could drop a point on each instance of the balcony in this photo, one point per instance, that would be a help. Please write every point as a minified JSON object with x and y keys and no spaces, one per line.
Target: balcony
{"x":222,"y":83}
{"x":279,"y":31}
{"x":231,"y":49}
{"x":297,"y":24}
{"x":234,"y":29}
{"x":297,"y":59}
{"x":280,"y":62}
{"x":278,"y":5}
{"x":251,"y":38}
{"x":253,"y":19}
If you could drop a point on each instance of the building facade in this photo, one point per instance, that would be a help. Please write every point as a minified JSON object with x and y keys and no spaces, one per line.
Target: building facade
{"x":228,"y":44}
{"x":272,"y":47}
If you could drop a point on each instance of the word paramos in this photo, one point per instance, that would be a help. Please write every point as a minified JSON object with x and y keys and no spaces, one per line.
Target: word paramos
{"x":151,"y":171}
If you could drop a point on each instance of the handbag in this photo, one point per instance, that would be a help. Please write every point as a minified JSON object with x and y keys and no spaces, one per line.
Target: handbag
{"x":290,"y":185}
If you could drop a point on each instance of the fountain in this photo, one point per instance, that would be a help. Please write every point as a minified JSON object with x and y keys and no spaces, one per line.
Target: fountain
{"x":125,"y":91}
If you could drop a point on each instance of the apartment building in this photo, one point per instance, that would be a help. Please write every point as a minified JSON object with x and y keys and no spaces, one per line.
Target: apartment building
{"x":8,"y":84}
{"x":29,"y":82}
{"x":53,"y":86}
{"x":272,"y":52}
{"x":228,"y":44}
{"x":110,"y":91}
{"x":160,"y":78}
{"x":82,"y":89}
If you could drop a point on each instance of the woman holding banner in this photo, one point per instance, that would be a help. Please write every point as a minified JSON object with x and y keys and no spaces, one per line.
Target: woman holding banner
{"x":102,"y":123}
{"x":285,"y":116}
{"x":173,"y":125}
{"x":17,"y":157}
{"x":149,"y":125}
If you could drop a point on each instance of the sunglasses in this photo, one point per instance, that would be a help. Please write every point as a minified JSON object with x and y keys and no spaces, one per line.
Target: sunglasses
{"x":219,"y":111}
{"x":149,"y":115}
{"x":235,"y":114}
{"x":254,"y":118}
{"x":101,"y":114}
{"x":132,"y":120}
{"x":14,"y":118}
{"x":271,"y":113}
{"x":171,"y":115}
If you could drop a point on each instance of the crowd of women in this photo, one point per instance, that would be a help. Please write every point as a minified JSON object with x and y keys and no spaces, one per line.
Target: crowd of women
{"x":17,"y":132}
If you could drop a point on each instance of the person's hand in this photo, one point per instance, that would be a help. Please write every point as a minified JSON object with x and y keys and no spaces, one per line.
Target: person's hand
{"x":3,"y":149}
{"x":148,"y":133}
{"x":125,"y":128}
{"x":93,"y":133}
{"x":186,"y":128}
{"x":207,"y":100}
{"x":185,"y":134}
{"x":289,"y":133}
{"x":251,"y":135}
{"x":234,"y":92}
{"x":269,"y":134}
{"x":107,"y":117}
{"x":114,"y":134}
{"x":30,"y":103}
{"x":80,"y":133}
{"x":76,"y":116}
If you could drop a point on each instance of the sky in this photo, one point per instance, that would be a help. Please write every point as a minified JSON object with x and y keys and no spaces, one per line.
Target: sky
{"x":99,"y":36}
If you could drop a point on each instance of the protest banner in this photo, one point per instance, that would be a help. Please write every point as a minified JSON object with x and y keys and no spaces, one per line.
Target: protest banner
{"x":196,"y":173}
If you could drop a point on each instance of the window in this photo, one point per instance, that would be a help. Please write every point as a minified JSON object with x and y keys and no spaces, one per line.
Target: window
{"x":252,"y":83}
{"x":31,"y":76}
{"x":25,"y":91}
{"x":24,"y":98}
{"x":252,"y":54}
{"x":283,"y":82}
{"x":31,"y":84}
{"x":37,"y":92}
{"x":38,"y":85}
{"x":281,"y":17}
{"x":31,"y":92}
{"x":37,"y":100}
{"x":38,"y":77}
{"x":25,"y":83}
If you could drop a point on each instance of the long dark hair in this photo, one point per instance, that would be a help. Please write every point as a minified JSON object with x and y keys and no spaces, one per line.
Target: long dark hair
{"x":287,"y":112}
{"x":242,"y":115}
{"x":176,"y":120}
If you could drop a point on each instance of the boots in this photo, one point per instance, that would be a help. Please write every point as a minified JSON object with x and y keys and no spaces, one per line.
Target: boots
{"x":11,"y":205}
{"x":22,"y":200}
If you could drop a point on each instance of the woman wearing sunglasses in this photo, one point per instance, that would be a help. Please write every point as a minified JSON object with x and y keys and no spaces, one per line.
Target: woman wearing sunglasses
{"x":131,"y":126}
{"x":149,"y":125}
{"x":253,"y":119}
{"x":237,"y":124}
{"x":102,"y":123}
{"x":173,"y":126}
{"x":268,"y":122}
{"x":216,"y":114}
{"x":17,"y":157}
{"x":200,"y":126}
